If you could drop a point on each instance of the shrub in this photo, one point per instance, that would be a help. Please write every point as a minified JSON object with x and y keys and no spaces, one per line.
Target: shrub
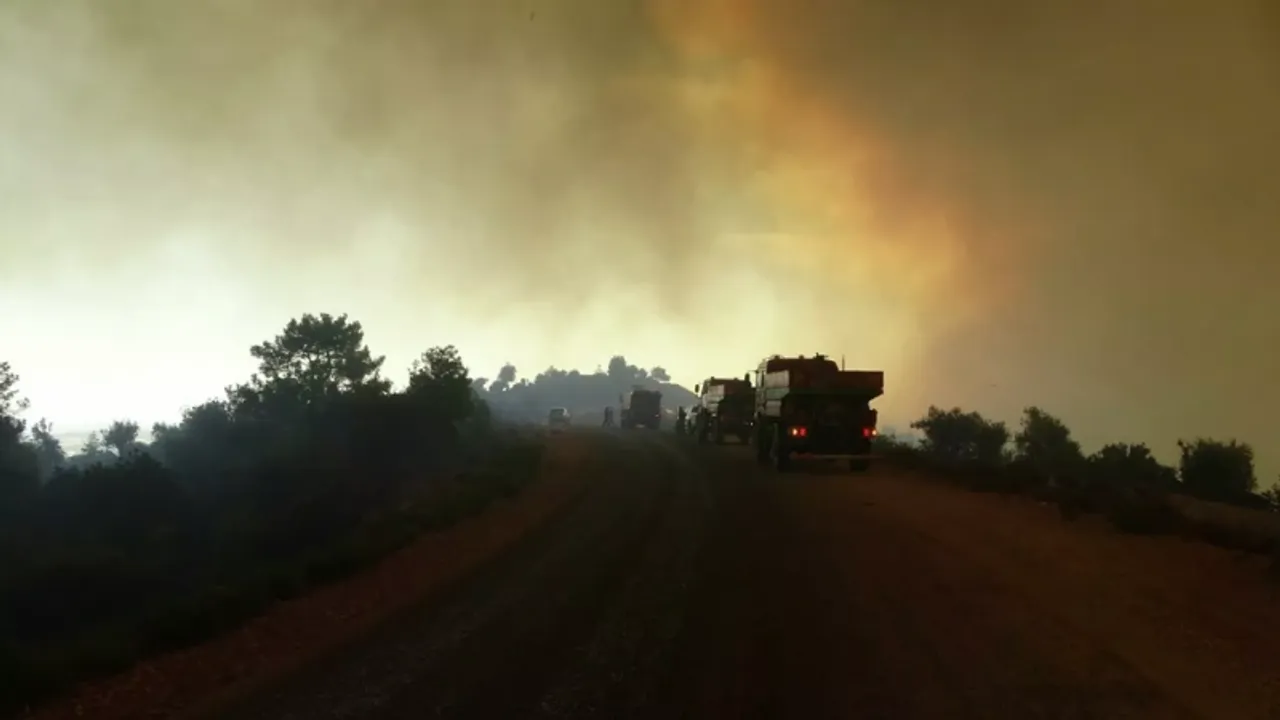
{"x":1120,"y":465}
{"x":955,"y":436}
{"x":1272,"y":497}
{"x":1045,"y":445}
{"x":1143,"y":512}
{"x":1216,"y":470}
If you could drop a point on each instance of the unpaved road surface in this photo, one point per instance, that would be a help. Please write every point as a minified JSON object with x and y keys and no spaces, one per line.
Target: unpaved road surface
{"x":688,"y":582}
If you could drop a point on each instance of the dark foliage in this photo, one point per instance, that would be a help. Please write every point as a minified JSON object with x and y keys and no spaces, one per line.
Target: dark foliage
{"x":1044,"y":444}
{"x":586,"y":395}
{"x":962,"y":438}
{"x":303,"y":474}
{"x":1124,"y":483}
{"x":1215,"y":470}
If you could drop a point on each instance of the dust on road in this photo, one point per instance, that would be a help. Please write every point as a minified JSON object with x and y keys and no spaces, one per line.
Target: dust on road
{"x":688,"y":582}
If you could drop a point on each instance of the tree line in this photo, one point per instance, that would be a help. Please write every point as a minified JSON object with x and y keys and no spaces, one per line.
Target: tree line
{"x":584,"y":394}
{"x":312,"y":467}
{"x":1042,"y":456}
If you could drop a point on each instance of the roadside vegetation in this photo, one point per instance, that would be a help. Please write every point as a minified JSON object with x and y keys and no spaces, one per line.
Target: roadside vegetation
{"x":1212,"y":494}
{"x":308,"y":471}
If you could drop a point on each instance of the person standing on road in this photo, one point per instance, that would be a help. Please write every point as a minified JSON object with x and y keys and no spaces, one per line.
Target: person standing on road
{"x":608,"y":416}
{"x":682,"y":421}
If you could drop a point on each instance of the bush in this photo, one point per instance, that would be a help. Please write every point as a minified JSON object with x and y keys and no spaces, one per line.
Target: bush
{"x":956,"y":437}
{"x":1143,"y":512}
{"x":1045,"y":446}
{"x":1119,"y":481}
{"x":1215,"y":470}
{"x":1271,"y":496}
{"x":1120,"y":465}
{"x":892,"y":447}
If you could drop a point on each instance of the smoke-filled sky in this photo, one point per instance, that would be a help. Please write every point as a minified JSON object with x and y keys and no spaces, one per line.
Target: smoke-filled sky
{"x":1070,"y":203}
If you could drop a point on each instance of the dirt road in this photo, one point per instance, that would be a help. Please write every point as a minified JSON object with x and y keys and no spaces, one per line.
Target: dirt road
{"x":687,"y":582}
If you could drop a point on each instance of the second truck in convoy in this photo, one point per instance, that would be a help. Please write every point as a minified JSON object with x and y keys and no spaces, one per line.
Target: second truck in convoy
{"x":641,"y":408}
{"x":810,"y":406}
{"x":724,"y":408}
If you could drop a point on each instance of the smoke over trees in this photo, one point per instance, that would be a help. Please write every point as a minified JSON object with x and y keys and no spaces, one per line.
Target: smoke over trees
{"x":584,"y":394}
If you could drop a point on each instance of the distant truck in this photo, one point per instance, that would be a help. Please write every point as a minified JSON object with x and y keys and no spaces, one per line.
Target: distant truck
{"x":559,"y":419}
{"x":641,"y":408}
{"x":724,"y":408}
{"x":810,"y":406}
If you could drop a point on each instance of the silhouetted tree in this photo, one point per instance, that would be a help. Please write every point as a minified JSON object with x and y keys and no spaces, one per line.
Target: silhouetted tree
{"x":660,"y":374}
{"x":19,"y":468}
{"x":1044,"y":442}
{"x":315,"y":358}
{"x":1122,"y":465}
{"x":620,"y":371}
{"x":955,"y":435}
{"x":1216,"y":470}
{"x":121,"y":436}
{"x":584,"y":394}
{"x":11,"y":402}
{"x":506,"y":378}
{"x":48,"y":449}
{"x":1272,"y":496}
{"x":507,"y":374}
{"x":440,"y":378}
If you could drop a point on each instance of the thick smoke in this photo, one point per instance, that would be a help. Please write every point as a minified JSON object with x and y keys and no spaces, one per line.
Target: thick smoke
{"x":513,"y":143}
{"x":1101,"y":178}
{"x":1063,"y":202}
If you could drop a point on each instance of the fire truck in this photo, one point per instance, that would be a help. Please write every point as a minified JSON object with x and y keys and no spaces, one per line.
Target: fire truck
{"x":812,"y":407}
{"x":724,"y":408}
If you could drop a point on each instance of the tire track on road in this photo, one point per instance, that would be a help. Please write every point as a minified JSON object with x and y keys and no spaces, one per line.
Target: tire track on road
{"x":493,"y":648}
{"x":625,"y":670}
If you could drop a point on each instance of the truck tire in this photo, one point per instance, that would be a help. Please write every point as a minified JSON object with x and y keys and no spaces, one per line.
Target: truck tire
{"x":779,"y":453}
{"x":859,"y":465}
{"x":717,"y":433}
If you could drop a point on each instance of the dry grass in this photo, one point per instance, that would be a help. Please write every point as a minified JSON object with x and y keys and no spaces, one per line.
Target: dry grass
{"x":1229,"y":526}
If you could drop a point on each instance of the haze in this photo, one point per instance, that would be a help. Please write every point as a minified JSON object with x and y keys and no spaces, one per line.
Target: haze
{"x":1000,"y":203}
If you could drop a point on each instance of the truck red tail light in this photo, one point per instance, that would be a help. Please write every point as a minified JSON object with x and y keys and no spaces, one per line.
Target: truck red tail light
{"x":869,"y":432}
{"x":799,"y":432}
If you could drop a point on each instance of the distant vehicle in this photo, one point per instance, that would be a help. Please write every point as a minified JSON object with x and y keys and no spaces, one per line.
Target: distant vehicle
{"x":641,"y":408}
{"x":810,"y":406}
{"x":725,"y":407}
{"x":558,"y":418}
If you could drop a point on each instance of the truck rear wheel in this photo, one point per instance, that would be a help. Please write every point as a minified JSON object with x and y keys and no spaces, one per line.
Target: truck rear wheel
{"x":717,"y":433}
